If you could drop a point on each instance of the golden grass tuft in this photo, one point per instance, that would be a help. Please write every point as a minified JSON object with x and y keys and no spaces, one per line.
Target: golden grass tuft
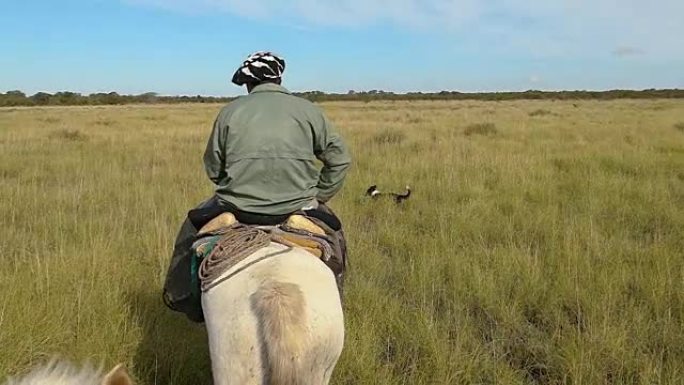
{"x":484,"y":129}
{"x":540,"y":112}
{"x":69,"y":135}
{"x":389,"y":137}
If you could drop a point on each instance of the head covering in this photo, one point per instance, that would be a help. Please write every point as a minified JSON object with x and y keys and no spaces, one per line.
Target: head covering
{"x":260,"y":67}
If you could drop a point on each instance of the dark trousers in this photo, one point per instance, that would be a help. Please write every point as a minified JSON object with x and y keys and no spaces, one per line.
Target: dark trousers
{"x":178,"y":291}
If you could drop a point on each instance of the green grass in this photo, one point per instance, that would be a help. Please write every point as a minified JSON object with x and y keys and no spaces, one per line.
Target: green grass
{"x":545,"y":251}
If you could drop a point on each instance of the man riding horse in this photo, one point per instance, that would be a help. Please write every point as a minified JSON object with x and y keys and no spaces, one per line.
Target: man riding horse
{"x":261,"y":156}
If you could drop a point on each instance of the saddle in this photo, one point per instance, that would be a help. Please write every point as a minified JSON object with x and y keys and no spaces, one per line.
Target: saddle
{"x":296,"y":231}
{"x":318,"y":232}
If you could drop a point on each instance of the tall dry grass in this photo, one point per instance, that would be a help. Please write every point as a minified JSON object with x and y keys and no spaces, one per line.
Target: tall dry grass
{"x":537,"y":248}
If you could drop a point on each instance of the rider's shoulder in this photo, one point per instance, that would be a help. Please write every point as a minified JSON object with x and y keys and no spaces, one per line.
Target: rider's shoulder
{"x":234,"y":105}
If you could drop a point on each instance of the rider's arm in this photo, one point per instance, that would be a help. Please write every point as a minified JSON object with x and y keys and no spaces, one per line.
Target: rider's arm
{"x":329,"y":149}
{"x":214,"y":157}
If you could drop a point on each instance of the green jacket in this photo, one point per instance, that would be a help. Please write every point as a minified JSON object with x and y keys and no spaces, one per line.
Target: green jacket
{"x":263,"y":149}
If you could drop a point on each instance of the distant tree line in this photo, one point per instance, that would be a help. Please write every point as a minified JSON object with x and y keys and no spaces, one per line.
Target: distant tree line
{"x":497,"y":96}
{"x":18,"y":98}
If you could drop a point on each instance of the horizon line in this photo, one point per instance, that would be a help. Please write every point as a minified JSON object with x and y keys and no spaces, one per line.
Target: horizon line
{"x":352,"y":92}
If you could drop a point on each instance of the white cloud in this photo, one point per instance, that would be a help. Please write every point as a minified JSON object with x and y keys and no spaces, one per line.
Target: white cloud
{"x":552,"y":27}
{"x":336,"y":12}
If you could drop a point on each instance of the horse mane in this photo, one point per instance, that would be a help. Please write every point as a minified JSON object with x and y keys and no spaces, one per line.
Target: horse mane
{"x":57,"y":372}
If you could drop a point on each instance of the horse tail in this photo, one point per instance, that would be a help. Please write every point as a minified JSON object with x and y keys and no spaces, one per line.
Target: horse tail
{"x":280,"y":309}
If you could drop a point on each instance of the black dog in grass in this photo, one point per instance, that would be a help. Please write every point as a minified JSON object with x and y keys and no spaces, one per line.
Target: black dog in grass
{"x":374,"y":193}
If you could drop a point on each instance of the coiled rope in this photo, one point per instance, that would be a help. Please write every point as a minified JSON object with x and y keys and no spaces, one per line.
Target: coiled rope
{"x":234,"y":246}
{"x":240,"y":241}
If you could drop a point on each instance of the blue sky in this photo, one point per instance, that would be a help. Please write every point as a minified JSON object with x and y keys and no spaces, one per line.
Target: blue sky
{"x":193,"y":46}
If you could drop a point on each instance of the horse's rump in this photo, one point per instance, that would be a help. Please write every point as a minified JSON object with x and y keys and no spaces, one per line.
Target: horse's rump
{"x":277,"y":321}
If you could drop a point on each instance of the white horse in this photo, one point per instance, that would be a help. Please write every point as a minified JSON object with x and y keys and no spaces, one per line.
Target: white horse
{"x":63,"y":373}
{"x":275,"y":318}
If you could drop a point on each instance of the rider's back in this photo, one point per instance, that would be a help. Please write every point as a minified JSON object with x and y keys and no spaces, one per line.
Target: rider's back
{"x":263,"y":151}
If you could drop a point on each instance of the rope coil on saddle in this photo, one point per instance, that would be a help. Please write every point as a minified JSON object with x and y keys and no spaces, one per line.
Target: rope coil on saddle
{"x":240,"y":241}
{"x":234,"y":246}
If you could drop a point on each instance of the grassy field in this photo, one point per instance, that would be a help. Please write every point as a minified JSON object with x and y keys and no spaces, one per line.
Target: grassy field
{"x":544,"y":243}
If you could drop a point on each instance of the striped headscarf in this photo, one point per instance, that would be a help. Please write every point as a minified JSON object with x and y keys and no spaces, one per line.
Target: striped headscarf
{"x":260,"y":67}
